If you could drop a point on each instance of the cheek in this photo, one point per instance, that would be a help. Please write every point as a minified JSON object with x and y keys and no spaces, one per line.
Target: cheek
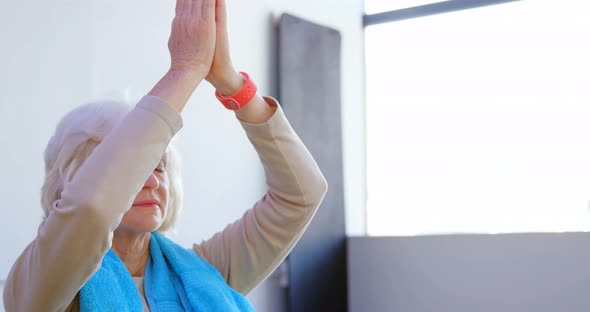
{"x":164,"y":194}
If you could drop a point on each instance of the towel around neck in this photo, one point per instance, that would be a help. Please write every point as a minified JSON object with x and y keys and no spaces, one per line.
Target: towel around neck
{"x":176,"y":279}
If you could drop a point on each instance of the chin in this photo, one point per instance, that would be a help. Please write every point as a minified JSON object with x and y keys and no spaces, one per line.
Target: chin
{"x":141,"y":222}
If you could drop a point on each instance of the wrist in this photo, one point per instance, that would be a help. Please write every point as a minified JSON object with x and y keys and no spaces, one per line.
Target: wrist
{"x":190,"y":73}
{"x":230,"y":85}
{"x":176,"y":87}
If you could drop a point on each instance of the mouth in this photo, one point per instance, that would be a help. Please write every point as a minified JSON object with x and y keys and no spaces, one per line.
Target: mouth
{"x":147,"y":204}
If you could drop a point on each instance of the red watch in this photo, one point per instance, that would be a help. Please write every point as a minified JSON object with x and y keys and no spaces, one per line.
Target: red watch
{"x":240,"y":99}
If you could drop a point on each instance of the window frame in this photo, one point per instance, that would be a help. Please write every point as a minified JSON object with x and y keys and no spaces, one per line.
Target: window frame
{"x":427,"y":10}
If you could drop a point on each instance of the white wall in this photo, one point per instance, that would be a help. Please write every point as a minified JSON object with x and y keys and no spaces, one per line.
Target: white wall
{"x":59,"y":54}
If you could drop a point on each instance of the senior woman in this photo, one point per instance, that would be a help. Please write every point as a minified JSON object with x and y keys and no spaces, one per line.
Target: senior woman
{"x":111,"y":189}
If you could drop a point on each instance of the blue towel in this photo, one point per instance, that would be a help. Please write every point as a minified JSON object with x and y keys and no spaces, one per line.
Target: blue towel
{"x":176,"y":279}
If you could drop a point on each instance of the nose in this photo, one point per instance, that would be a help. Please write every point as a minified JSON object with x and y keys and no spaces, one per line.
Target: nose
{"x":152,"y":182}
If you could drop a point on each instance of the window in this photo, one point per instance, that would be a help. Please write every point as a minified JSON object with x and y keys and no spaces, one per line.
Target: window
{"x":479,"y":121}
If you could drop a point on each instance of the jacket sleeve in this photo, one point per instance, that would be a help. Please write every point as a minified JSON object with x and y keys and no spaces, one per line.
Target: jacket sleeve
{"x":77,"y":233}
{"x":251,"y":248}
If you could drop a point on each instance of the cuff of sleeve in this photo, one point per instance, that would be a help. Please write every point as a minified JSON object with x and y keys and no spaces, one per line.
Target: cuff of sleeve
{"x":164,"y":110}
{"x":278,"y":118}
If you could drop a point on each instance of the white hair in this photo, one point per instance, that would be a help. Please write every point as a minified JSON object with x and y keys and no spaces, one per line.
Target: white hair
{"x":76,"y":136}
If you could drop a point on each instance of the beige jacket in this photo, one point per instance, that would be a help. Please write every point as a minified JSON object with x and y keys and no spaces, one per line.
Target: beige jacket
{"x":72,"y":241}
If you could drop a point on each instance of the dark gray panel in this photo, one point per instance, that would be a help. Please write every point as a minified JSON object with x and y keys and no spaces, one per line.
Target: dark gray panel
{"x":466,"y":273}
{"x":309,"y":92}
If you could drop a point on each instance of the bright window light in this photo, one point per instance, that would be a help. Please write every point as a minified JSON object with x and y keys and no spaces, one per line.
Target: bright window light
{"x":478,"y":121}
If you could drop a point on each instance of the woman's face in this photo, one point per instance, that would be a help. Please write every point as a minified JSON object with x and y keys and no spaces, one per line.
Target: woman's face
{"x":150,"y":205}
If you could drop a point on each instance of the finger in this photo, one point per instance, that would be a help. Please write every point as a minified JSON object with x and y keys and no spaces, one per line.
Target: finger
{"x":179,"y":6}
{"x":188,"y":4}
{"x":221,"y":13}
{"x":196,"y":7}
{"x":208,"y":11}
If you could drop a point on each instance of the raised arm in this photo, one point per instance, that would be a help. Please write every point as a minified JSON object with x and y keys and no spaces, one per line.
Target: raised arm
{"x":76,"y":234}
{"x":248,"y":250}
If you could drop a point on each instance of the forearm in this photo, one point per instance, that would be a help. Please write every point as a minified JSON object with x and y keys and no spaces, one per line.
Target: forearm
{"x":177,"y":86}
{"x":252,"y":247}
{"x":291,"y":172}
{"x":256,"y":112}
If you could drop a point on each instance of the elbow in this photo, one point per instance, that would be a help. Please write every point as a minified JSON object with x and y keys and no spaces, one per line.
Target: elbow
{"x":319,"y":190}
{"x":94,"y":211}
{"x":323,"y":186}
{"x":103,"y":223}
{"x":83,"y":207}
{"x":92,"y":221}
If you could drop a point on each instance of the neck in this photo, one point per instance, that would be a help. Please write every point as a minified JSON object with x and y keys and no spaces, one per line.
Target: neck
{"x":133,"y":249}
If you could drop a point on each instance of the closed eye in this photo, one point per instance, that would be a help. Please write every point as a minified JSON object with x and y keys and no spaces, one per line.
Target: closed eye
{"x":161,"y":168}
